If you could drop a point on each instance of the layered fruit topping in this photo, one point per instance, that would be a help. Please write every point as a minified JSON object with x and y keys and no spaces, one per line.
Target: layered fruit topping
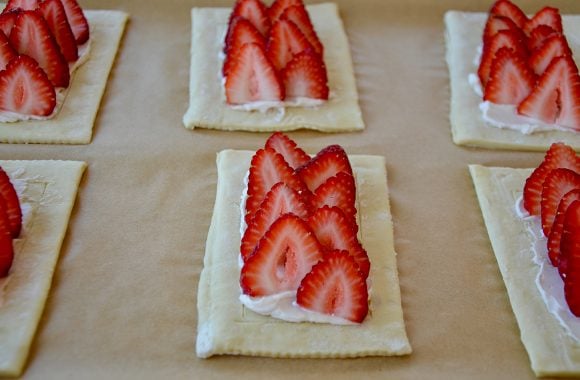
{"x":41,"y":42}
{"x":526,"y":67}
{"x":10,"y":222}
{"x":301,"y":243}
{"x":273,"y":55}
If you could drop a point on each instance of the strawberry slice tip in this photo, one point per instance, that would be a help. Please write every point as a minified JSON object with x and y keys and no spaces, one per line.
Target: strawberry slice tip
{"x":55,"y":16}
{"x":327,"y":163}
{"x":279,"y":6}
{"x":508,"y":9}
{"x":305,"y":76}
{"x":338,"y":191}
{"x":555,"y":237}
{"x":77,"y":21}
{"x":292,"y":153}
{"x":285,"y":41}
{"x":299,"y":16}
{"x":557,"y":183}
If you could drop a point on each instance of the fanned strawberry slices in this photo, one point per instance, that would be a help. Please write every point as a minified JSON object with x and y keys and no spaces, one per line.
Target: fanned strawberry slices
{"x":10,"y":222}
{"x":39,"y":42}
{"x":526,"y":62}
{"x":301,"y":234}
{"x":272,"y":54}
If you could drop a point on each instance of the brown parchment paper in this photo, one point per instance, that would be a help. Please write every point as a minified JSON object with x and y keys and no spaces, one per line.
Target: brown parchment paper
{"x":123,"y":301}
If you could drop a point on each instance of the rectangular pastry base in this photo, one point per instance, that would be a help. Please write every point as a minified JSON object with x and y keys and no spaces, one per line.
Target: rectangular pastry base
{"x":463,"y":37}
{"x":207,"y":104}
{"x":226,"y":327}
{"x":49,"y":192}
{"x":73,"y":124}
{"x":551,"y":351}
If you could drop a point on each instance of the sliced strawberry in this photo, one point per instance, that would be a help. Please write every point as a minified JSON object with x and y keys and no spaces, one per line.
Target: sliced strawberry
{"x":539,"y":35}
{"x":569,"y":264}
{"x":25,"y":88}
{"x":554,"y":46}
{"x":559,"y":155}
{"x":7,"y":52}
{"x":495,"y":23}
{"x":77,"y":21}
{"x":510,"y":79}
{"x":7,"y":20}
{"x":508,"y":9}
{"x":502,"y":39}
{"x":554,"y":239}
{"x":334,"y":230}
{"x":327,"y":163}
{"x":279,"y":6}
{"x":545,"y":16}
{"x":267,"y":169}
{"x":339,"y":191}
{"x":305,"y":76}
{"x":31,"y":36}
{"x":299,"y":16}
{"x":291,"y":152}
{"x":242,"y":32}
{"x":25,"y":5}
{"x":557,"y":183}
{"x":6,"y":248}
{"x":254,"y":11}
{"x":282,"y":258}
{"x":556,"y":97}
{"x":285,"y":41}
{"x":12,"y":204}
{"x":335,"y":287}
{"x":281,"y":199}
{"x":252,"y":77}
{"x":55,"y":16}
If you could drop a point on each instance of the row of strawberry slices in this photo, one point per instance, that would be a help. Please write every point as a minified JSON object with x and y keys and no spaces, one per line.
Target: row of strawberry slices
{"x":38,"y":40}
{"x":301,"y":230}
{"x":272,"y":54}
{"x":10,"y":222}
{"x":527,"y":62}
{"x":552,"y":192}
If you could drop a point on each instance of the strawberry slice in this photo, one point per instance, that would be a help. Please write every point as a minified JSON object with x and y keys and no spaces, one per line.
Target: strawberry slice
{"x":281,"y":199}
{"x":545,"y":16}
{"x":6,"y":248}
{"x":339,"y":191}
{"x":282,"y":258}
{"x":569,"y":264}
{"x":7,"y":52}
{"x":25,"y":5}
{"x":11,"y":203}
{"x":327,"y":163}
{"x":554,"y":46}
{"x":495,"y":23}
{"x":539,"y":35}
{"x":510,"y":79}
{"x":279,"y":6}
{"x":31,"y":36}
{"x":7,"y":20}
{"x":77,"y":21}
{"x":335,"y":287}
{"x":299,"y":16}
{"x":305,"y":76}
{"x":502,"y":39}
{"x":557,"y":183}
{"x":252,"y":77}
{"x":559,"y":155}
{"x":508,"y":9}
{"x":334,"y":230}
{"x":556,"y":97}
{"x":25,"y":88}
{"x":254,"y":11}
{"x":555,"y":237}
{"x":55,"y":16}
{"x":267,"y":169}
{"x":285,"y":41}
{"x":242,"y":32}
{"x":291,"y":152}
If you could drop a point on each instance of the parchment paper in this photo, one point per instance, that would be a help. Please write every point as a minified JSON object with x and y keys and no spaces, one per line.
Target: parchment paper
{"x":123,"y":301}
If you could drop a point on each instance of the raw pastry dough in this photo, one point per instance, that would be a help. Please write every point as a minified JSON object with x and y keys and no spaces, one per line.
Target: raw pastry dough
{"x":552,"y":352}
{"x":74,"y":123}
{"x":463,"y":36}
{"x":49,"y":193}
{"x":226,"y":327}
{"x":207,"y":107}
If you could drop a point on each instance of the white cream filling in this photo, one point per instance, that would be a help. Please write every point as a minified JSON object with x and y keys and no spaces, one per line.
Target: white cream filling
{"x":61,"y":92}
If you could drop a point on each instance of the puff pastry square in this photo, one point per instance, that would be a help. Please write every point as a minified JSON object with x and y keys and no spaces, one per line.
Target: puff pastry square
{"x":73,"y":124}
{"x":551,"y":351}
{"x":463,"y":37}
{"x":226,"y":327}
{"x":47,"y":190}
{"x":207,"y":107}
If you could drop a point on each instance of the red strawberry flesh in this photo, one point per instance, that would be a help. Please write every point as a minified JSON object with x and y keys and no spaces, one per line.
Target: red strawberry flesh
{"x":327,"y":163}
{"x":554,"y":239}
{"x":12,"y":204}
{"x":557,"y":183}
{"x":304,"y":76}
{"x":291,"y":152}
{"x":6,"y":248}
